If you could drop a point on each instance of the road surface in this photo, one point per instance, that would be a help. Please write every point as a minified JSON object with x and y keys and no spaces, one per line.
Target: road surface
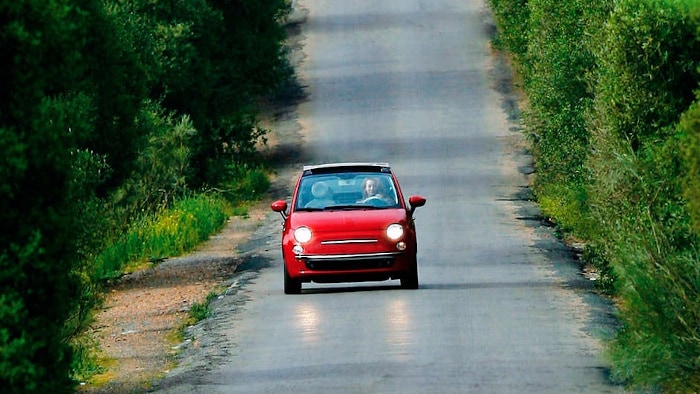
{"x":501,"y":307}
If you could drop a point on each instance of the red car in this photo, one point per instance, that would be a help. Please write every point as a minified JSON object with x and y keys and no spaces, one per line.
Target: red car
{"x":348,"y":222}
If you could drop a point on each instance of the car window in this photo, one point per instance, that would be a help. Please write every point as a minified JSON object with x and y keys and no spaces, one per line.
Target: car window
{"x":346,"y":190}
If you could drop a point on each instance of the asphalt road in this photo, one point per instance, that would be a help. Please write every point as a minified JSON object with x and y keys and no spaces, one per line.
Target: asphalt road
{"x":502,"y":307}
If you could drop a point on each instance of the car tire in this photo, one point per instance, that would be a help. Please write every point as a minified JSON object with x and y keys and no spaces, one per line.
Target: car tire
{"x":291,"y":286}
{"x":409,"y":280}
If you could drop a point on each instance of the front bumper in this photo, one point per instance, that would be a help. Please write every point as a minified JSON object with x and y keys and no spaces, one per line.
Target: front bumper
{"x":346,"y":262}
{"x":350,"y":267}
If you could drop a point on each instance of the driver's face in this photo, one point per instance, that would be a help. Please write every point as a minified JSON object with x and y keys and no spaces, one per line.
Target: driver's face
{"x":371,"y":187}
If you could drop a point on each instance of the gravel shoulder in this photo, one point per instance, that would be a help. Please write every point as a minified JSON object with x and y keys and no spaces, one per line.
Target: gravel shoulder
{"x":142,"y":312}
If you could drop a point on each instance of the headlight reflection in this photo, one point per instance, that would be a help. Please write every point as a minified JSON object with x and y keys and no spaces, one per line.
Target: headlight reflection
{"x":307,"y":320}
{"x":399,"y":321}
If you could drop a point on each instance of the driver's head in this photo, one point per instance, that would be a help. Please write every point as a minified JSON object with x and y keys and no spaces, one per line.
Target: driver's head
{"x":371,"y":186}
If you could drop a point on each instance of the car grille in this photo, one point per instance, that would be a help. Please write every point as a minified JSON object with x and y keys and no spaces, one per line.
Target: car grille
{"x":349,"y":263}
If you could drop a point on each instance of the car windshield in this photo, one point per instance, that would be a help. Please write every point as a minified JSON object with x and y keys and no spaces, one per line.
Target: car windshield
{"x":347,"y":190}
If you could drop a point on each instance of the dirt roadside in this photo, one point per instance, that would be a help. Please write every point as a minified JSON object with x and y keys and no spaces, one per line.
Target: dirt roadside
{"x":137,"y":325}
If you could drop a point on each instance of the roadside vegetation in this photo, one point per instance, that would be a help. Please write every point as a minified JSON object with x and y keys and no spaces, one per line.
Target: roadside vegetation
{"x":613,"y":116}
{"x":128,"y":134}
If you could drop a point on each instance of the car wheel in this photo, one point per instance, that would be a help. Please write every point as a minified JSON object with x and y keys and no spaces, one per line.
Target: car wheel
{"x":291,"y":286}
{"x":409,"y":280}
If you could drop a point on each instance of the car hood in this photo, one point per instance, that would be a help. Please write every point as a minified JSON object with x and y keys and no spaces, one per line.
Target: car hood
{"x":370,"y":219}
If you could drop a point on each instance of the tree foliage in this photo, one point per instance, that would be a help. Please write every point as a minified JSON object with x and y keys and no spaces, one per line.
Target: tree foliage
{"x":41,"y":122}
{"x":109,"y":110}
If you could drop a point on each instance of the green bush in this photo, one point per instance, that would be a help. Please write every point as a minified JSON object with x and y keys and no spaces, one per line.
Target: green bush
{"x":659,"y":343}
{"x":100,"y":103}
{"x":214,"y":59}
{"x":44,"y":118}
{"x":162,"y":163}
{"x":245,"y":183}
{"x":646,"y":58}
{"x":636,"y":162}
{"x":512,"y":19}
{"x":568,"y":204}
{"x":690,"y":124}
{"x":607,"y":83}
{"x":647,"y":70}
{"x":555,"y":65}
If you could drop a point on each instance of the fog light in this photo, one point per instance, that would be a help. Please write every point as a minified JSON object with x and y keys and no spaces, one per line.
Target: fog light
{"x":401,"y":245}
{"x":297,"y":249}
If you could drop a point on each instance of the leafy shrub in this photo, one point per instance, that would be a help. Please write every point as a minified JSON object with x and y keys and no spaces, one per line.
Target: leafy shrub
{"x":690,"y":124}
{"x":635,"y":165}
{"x":606,"y":84}
{"x":99,"y":105}
{"x":659,"y":344}
{"x":556,"y":63}
{"x":512,"y":19}
{"x":245,"y":183}
{"x":43,"y":120}
{"x":568,"y":204}
{"x":162,"y":163}
{"x":647,"y":68}
{"x":607,"y":280}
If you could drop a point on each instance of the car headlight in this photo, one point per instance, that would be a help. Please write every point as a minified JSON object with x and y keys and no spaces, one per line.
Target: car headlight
{"x":302,"y":234}
{"x":394,"y":232}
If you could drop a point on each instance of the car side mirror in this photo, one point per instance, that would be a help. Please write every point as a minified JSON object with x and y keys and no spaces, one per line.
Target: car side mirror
{"x":281,"y":207}
{"x":415,"y":202}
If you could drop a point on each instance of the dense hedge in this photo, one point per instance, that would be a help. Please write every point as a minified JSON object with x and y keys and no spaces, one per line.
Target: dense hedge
{"x":109,"y":111}
{"x":614,"y":127}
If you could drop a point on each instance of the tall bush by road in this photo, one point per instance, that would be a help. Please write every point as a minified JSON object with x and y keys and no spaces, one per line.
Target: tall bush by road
{"x":609,"y":87}
{"x":42,"y":119}
{"x":215,"y":58}
{"x":690,"y":125}
{"x":648,"y":57}
{"x":554,"y":69}
{"x":111,"y":111}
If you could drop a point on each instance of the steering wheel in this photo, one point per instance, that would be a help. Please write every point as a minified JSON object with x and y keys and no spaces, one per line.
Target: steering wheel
{"x":374,"y":201}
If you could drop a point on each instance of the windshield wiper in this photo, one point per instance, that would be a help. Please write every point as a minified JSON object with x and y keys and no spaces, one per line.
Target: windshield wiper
{"x":338,"y":207}
{"x":351,"y":206}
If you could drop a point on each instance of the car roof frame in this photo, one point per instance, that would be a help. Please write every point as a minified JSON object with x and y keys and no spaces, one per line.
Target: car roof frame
{"x":345,"y":166}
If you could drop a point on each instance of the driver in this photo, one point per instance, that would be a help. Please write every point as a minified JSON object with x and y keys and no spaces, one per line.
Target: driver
{"x":372,"y":190}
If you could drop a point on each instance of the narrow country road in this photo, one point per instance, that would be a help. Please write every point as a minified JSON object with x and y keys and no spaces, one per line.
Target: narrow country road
{"x":501,"y":307}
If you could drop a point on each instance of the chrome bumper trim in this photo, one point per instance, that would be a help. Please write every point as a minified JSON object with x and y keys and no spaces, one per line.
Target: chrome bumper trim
{"x":350,"y":241}
{"x":368,"y":256}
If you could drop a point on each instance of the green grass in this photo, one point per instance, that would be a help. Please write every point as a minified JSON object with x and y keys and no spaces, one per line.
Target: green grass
{"x":169,"y":233}
{"x":200,"y":311}
{"x":86,"y":361}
